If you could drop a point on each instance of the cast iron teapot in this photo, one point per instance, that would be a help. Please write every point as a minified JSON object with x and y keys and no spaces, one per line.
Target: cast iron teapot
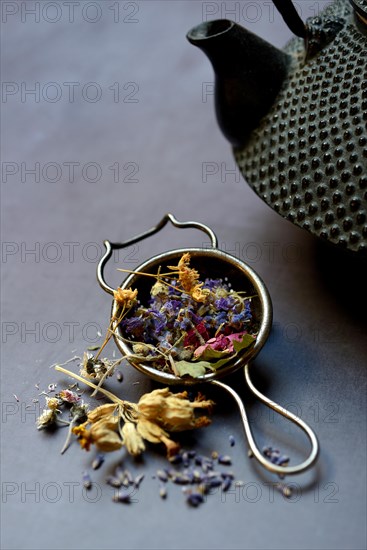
{"x":297,"y":118}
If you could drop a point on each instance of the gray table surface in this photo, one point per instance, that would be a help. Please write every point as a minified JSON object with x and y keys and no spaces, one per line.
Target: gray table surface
{"x":119,"y":132}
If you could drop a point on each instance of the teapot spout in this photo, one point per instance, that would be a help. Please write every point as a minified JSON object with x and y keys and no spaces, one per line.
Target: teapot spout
{"x":249,"y":73}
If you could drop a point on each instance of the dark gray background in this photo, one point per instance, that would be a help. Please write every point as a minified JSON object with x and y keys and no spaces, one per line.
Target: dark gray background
{"x":314,"y":361}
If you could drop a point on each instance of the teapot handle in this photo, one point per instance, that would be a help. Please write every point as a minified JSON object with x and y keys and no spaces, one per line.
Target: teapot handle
{"x":110,"y":247}
{"x":274,"y":468}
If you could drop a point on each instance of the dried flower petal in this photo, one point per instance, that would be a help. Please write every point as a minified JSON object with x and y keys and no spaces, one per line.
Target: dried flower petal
{"x":101,"y":412}
{"x":84,"y":436}
{"x":174,"y":412}
{"x":132,"y":439}
{"x":125,"y":297}
{"x":52,"y":403}
{"x":69,"y":396}
{"x":47,"y":418}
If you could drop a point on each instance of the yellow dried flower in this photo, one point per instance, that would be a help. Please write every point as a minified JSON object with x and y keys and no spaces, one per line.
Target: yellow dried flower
{"x":154,"y":433}
{"x":189,"y":279}
{"x":125,"y":297}
{"x":155,"y":415}
{"x":187,"y":276}
{"x":159,"y":288}
{"x":103,"y":434}
{"x":132,"y":440}
{"x":200,"y":294}
{"x":102,"y":411}
{"x":52,"y":403}
{"x":174,"y":412}
{"x":150,"y":431}
{"x":83,"y":434}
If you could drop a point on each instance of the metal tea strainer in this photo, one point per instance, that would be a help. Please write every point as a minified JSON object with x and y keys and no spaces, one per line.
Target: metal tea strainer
{"x":213,"y":263}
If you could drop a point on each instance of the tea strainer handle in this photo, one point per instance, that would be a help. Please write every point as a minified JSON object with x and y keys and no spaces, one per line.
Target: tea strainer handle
{"x":274,"y":468}
{"x":110,"y":247}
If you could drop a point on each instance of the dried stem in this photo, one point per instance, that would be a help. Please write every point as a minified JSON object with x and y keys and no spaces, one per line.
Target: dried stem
{"x":68,"y":438}
{"x":107,"y":393}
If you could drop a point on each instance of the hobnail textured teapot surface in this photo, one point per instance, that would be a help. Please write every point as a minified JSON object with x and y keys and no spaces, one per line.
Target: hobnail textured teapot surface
{"x":308,"y":157}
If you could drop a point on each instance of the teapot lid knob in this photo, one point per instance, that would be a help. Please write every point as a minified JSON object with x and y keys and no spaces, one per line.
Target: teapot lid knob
{"x":360,"y":7}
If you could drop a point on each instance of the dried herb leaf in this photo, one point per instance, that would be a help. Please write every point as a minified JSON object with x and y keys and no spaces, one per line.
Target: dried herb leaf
{"x":195,"y":370}
{"x":246,"y":342}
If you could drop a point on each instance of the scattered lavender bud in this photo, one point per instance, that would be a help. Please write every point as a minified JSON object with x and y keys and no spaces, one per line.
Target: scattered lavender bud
{"x":98,"y":461}
{"x":122,"y":496}
{"x":87,"y":481}
{"x":128,"y":477}
{"x":119,"y":376}
{"x":226,"y":484}
{"x":229,"y":475}
{"x":212,"y":474}
{"x":191,"y":453}
{"x":114,"y":481}
{"x":198,"y":460}
{"x":176,"y":459}
{"x":225,"y":460}
{"x":232,"y":441}
{"x":286,"y":491}
{"x":162,"y":475}
{"x":197,"y":476}
{"x":181,"y":479}
{"x":185,"y":459}
{"x":190,"y":475}
{"x":138,"y":480}
{"x":275,"y":457}
{"x":194,"y":499}
{"x":213,"y":482}
{"x":120,"y":473}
